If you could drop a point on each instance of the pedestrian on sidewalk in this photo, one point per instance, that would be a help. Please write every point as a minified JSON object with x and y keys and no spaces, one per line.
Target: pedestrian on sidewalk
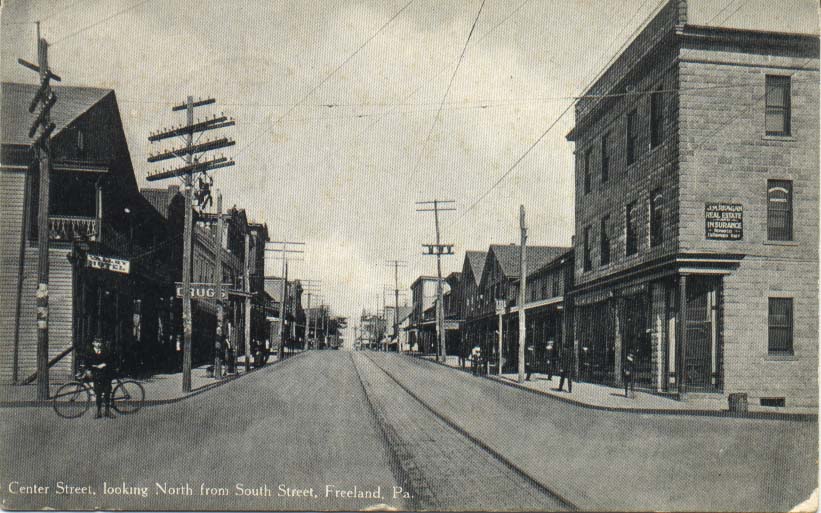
{"x":550,"y":359}
{"x":627,"y":371}
{"x":530,"y":361}
{"x":475,"y":356}
{"x":101,"y":364}
{"x":566,"y":369}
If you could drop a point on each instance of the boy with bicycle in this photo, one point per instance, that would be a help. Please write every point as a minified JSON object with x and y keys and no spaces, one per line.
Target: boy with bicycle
{"x":101,"y":365}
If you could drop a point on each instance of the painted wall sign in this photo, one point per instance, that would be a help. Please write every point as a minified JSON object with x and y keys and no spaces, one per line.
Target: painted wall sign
{"x":118,"y":265}
{"x":724,"y":221}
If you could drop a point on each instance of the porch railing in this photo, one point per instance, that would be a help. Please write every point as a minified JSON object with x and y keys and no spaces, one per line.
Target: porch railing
{"x":71,"y":228}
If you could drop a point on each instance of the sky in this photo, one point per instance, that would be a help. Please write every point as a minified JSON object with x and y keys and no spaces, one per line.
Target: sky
{"x":348,"y":112}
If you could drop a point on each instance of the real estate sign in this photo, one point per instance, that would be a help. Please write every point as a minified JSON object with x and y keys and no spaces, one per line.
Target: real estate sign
{"x":724,"y":221}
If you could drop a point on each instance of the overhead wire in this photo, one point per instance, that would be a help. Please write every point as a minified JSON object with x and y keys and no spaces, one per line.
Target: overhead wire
{"x":325,"y":79}
{"x":107,"y":18}
{"x":530,"y":148}
{"x":445,"y":96}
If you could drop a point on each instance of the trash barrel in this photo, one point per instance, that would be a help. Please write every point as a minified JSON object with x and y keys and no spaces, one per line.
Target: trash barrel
{"x":738,"y":402}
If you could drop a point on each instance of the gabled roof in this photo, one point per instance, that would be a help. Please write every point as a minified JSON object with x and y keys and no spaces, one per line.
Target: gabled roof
{"x":507,"y":255}
{"x":476,"y":260}
{"x":161,"y":199}
{"x":16,"y":119}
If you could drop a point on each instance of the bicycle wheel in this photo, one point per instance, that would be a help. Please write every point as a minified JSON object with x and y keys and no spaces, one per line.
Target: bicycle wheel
{"x":128,"y":397}
{"x":72,"y":400}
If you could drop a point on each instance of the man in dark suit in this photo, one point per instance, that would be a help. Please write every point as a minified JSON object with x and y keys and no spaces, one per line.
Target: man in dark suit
{"x":566,"y":369}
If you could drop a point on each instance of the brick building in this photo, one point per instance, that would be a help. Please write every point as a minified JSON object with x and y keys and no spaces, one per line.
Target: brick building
{"x":697,"y":210}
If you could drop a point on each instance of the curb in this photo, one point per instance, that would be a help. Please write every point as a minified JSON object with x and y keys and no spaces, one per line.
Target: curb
{"x":804,"y":417}
{"x":155,"y":402}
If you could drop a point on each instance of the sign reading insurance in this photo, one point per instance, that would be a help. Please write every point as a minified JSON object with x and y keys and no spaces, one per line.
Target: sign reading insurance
{"x":724,"y":221}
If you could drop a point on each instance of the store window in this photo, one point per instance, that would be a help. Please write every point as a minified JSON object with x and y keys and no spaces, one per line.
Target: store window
{"x":778,"y":104}
{"x":780,"y":339}
{"x":779,"y":210}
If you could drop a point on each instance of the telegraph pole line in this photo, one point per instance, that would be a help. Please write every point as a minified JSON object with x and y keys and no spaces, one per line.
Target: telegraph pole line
{"x":438,"y":249}
{"x":522,"y":293}
{"x":247,"y":289}
{"x":40,"y":131}
{"x":283,"y":300}
{"x":313,"y":287}
{"x":396,"y":264}
{"x":191,"y":154}
{"x":219,"y":339}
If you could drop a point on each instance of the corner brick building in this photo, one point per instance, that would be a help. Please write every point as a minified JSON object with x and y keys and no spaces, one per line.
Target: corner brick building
{"x":697,"y":181}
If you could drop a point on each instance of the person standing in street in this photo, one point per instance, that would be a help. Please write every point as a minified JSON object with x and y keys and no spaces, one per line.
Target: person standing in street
{"x":101,"y":365}
{"x":566,"y":369}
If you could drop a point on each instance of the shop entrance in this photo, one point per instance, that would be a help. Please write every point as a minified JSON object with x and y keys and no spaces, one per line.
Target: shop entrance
{"x":703,"y":351}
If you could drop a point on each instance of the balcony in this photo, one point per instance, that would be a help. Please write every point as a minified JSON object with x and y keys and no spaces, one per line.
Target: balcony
{"x":71,"y":228}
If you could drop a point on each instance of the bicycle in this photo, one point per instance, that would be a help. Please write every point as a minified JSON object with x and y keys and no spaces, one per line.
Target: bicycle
{"x":73,"y":399}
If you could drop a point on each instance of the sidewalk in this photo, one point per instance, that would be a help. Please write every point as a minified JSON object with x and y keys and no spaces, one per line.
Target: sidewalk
{"x":605,"y":397}
{"x":159,"y":388}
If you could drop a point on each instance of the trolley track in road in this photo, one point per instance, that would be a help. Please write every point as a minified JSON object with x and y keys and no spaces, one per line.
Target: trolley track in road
{"x":436,"y":454}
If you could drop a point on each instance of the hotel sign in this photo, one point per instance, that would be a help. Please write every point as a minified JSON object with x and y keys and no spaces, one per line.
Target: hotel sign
{"x":118,"y":265}
{"x":724,"y":221}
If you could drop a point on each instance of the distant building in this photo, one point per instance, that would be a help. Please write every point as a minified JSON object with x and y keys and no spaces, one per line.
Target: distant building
{"x":697,"y":209}
{"x":496,"y":294}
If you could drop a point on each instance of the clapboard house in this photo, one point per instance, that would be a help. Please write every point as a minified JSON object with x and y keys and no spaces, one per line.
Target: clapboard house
{"x":96,"y":213}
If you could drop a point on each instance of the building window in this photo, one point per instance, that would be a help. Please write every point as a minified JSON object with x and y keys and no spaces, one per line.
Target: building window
{"x":656,"y":218}
{"x":780,"y":324}
{"x":631,"y":240}
{"x":588,"y":264}
{"x":544,"y":288}
{"x":779,"y":210}
{"x":656,"y":117}
{"x":605,"y":241}
{"x":556,"y":288}
{"x":605,"y":159}
{"x":587,"y":157}
{"x":777,"y":115}
{"x":631,"y":137}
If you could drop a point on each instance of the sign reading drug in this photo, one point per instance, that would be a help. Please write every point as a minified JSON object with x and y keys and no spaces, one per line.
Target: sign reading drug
{"x":724,"y":221}
{"x":118,"y":265}
{"x":203,"y":291}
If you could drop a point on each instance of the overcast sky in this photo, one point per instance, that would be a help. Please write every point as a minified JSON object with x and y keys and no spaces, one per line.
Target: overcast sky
{"x":340,"y":168}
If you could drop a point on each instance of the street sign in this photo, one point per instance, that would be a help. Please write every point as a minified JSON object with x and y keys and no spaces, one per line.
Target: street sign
{"x":204,"y":290}
{"x":118,"y":265}
{"x":501,"y":305}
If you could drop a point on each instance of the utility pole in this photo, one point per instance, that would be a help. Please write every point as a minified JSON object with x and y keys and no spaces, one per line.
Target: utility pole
{"x":307,"y":324}
{"x":396,"y":264}
{"x":283,"y":334}
{"x":191,"y":154}
{"x":438,"y":249}
{"x":247,"y":290}
{"x":40,"y":131}
{"x":219,"y":340}
{"x":522,"y":292}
